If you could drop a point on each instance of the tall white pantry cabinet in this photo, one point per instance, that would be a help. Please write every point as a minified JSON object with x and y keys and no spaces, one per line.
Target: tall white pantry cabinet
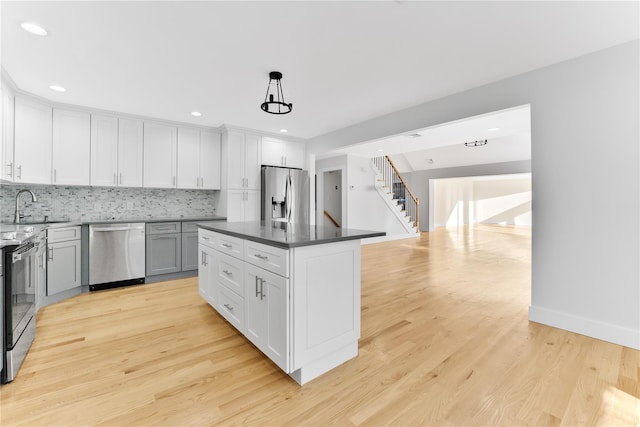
{"x":241,"y":172}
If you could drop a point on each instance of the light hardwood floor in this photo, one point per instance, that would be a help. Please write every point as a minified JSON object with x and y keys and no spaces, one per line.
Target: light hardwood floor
{"x":445,"y":341}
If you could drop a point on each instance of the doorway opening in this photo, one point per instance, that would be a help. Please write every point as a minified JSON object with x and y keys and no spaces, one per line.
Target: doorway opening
{"x":332,"y":198}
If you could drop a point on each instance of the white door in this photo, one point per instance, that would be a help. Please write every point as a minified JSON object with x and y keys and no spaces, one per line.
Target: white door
{"x":252,"y":206}
{"x":210,"y":160}
{"x":130,"y":152}
{"x":272,"y":152}
{"x":32,"y":133}
{"x":104,"y":150}
{"x":252,"y":158}
{"x":63,"y":266}
{"x":256,"y":312}
{"x":294,"y":154}
{"x":160,"y":143}
{"x":71,"y":147}
{"x":235,"y":205}
{"x":235,"y":160}
{"x":267,"y":314}
{"x":6,"y":152}
{"x":188,"y":158}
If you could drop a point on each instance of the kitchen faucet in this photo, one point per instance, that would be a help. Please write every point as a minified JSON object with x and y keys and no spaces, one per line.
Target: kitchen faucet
{"x":18,"y":217}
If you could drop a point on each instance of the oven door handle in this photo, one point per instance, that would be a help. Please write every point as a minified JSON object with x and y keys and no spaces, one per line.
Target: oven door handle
{"x":19,"y":256}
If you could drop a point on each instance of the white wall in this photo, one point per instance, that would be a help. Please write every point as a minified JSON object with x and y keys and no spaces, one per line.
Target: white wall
{"x":502,"y":201}
{"x":453,"y":202}
{"x":419,"y":181}
{"x":494,"y":200}
{"x":362,"y":206}
{"x":586,"y":183}
{"x":367,"y":210}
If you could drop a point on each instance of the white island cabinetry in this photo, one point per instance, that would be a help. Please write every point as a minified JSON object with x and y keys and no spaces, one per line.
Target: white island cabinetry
{"x":298,"y":303}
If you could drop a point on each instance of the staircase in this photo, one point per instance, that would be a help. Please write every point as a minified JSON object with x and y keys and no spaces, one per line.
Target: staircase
{"x":395,"y":191}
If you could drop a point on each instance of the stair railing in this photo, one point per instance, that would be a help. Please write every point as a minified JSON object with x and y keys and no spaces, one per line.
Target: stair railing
{"x":328,"y":215}
{"x":398,"y":187}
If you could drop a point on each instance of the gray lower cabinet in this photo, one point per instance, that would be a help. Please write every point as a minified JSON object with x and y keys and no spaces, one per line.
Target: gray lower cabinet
{"x":164,"y":253}
{"x":63,"y":266}
{"x":189,"y":251}
{"x":172,"y":247}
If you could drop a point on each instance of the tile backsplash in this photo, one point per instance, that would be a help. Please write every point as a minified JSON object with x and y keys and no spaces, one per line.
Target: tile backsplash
{"x":98,"y":203}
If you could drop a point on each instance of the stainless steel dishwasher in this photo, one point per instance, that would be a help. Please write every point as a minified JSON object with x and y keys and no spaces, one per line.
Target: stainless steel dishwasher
{"x":116,"y":255}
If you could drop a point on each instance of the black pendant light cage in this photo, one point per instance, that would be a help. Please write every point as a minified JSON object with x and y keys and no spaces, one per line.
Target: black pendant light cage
{"x":274,"y":103}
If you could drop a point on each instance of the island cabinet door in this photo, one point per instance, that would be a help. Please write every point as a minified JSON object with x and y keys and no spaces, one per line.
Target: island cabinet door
{"x":267,"y":322}
{"x":207,"y":266}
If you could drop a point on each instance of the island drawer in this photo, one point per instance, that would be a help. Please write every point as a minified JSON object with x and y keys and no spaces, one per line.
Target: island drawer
{"x":231,"y":307}
{"x":271,"y":258}
{"x":207,"y":237}
{"x":163,"y":227}
{"x":230,"y":273}
{"x":229,"y":245}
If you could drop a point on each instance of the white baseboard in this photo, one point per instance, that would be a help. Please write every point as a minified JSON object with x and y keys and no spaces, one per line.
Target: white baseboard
{"x":581,"y":325}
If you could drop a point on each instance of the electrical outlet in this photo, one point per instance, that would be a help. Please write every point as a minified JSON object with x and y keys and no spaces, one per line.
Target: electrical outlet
{"x":129,"y":205}
{"x":97,"y":206}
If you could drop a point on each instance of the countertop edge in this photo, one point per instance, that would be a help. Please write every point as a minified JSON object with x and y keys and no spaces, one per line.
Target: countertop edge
{"x":285,"y":245}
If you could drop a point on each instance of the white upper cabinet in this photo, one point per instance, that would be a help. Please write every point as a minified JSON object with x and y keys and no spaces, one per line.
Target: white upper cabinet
{"x":116,"y":152}
{"x":104,"y":150}
{"x":6,"y":150}
{"x":160,"y":150}
{"x":32,"y":136}
{"x":71,"y":147}
{"x":243,"y":160}
{"x":188,"y":158}
{"x":210,"y":160}
{"x":130,"y":151}
{"x":276,"y":152}
{"x":198,"y":159}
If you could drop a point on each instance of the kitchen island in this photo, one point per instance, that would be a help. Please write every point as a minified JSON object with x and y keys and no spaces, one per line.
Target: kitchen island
{"x":293,"y":290}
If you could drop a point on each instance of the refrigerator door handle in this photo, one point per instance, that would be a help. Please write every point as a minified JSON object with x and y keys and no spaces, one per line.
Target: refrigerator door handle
{"x":286,"y":198}
{"x":289,"y":198}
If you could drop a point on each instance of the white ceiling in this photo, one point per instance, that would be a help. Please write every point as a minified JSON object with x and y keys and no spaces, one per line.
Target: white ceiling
{"x":343,"y":62}
{"x":508,"y":140}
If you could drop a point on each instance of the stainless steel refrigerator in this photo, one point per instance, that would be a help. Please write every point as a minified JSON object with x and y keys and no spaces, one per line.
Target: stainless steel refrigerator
{"x":285,"y":195}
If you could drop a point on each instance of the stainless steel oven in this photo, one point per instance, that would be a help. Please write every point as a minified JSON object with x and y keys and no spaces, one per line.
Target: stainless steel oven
{"x":20,"y":268}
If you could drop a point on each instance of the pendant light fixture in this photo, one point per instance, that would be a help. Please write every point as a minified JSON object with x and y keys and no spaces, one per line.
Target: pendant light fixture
{"x":274,"y":102}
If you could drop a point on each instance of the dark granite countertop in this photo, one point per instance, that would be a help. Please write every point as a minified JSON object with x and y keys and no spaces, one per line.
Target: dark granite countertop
{"x":286,"y":235}
{"x":24,"y":230}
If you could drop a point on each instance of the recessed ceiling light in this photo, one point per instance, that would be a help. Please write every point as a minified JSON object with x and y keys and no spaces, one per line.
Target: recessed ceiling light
{"x":33,"y":28}
{"x":57,"y":88}
{"x":196,"y":113}
{"x":430,"y":161}
{"x":284,"y":130}
{"x":414,"y":135}
{"x":493,"y":129}
{"x":380,"y":149}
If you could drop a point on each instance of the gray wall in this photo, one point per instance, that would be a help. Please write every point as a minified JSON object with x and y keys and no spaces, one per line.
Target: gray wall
{"x":585,"y":165}
{"x":419,"y":181}
{"x":81,"y":203}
